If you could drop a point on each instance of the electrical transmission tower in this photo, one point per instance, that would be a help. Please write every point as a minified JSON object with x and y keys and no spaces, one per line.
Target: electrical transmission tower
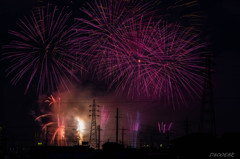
{"x":99,"y":137}
{"x":207,"y":116}
{"x":93,"y":130}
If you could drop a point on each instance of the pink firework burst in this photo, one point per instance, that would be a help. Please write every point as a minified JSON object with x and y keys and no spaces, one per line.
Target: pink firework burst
{"x":43,"y":51}
{"x":103,"y":19}
{"x":153,"y":59}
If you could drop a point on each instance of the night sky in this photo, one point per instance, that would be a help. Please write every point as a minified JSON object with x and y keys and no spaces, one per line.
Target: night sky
{"x":221,"y":25}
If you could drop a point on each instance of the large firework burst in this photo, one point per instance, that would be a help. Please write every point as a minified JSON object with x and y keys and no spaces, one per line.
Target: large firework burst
{"x":139,"y":55}
{"x":104,"y":18}
{"x":152,"y":60}
{"x":43,"y":51}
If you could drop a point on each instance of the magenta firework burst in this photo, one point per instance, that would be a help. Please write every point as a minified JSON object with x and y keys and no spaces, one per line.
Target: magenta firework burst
{"x":42,"y":50}
{"x":106,"y":17}
{"x":152,"y":60}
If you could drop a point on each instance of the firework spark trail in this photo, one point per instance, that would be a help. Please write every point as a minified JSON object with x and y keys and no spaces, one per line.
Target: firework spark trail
{"x":153,"y":59}
{"x":164,"y":127}
{"x":134,"y":127}
{"x":57,"y":123}
{"x":43,"y":51}
{"x":142,"y":58}
{"x":104,"y":118}
{"x":190,"y":16}
{"x":105,"y":18}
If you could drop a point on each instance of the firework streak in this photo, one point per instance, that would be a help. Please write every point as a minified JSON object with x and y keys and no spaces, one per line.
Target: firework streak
{"x":163,"y":127}
{"x":134,"y":128}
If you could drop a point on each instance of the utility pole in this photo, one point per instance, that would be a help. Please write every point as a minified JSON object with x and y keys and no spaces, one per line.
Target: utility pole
{"x":123,"y":135}
{"x":93,"y":130}
{"x":46,"y":136}
{"x":117,"y":127}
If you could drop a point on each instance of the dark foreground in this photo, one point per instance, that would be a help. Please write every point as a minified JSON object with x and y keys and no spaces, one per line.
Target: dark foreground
{"x":192,"y":146}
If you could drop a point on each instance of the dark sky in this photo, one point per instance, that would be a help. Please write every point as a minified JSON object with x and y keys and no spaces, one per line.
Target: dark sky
{"x":221,"y":24}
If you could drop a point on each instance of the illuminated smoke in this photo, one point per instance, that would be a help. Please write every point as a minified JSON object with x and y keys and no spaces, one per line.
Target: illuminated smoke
{"x":134,"y":123}
{"x":80,"y":130}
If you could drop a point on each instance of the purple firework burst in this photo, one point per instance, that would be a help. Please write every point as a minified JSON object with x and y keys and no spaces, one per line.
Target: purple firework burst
{"x":43,"y":51}
{"x":104,"y":18}
{"x":152,"y":60}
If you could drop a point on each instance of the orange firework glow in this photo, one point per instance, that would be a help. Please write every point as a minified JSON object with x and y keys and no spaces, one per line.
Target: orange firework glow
{"x":57,"y":123}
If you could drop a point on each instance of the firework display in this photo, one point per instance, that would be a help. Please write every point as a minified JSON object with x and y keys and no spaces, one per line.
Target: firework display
{"x":104,"y":19}
{"x":135,"y":56}
{"x":125,"y":45}
{"x":164,"y":127}
{"x":139,"y":57}
{"x":187,"y":13}
{"x":152,"y":60}
{"x":57,"y":123}
{"x":43,"y":51}
{"x":104,"y":119}
{"x":134,"y":123}
{"x":80,"y":130}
